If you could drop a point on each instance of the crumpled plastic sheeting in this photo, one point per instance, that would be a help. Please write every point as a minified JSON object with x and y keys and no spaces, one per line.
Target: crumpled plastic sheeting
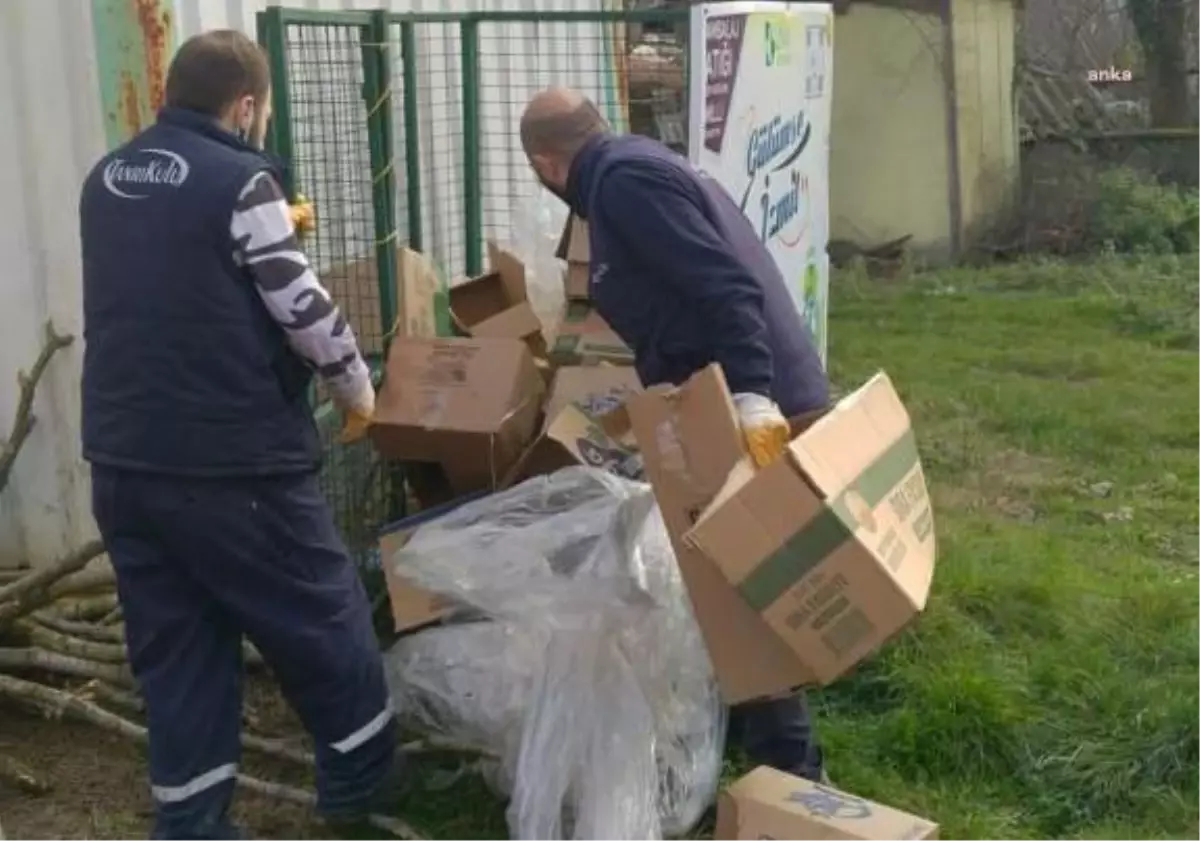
{"x":576,"y":661}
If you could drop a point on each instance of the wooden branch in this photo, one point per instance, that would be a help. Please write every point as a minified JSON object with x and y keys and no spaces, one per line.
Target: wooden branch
{"x":126,"y":700}
{"x":21,"y":778}
{"x":31,"y":591}
{"x":24,"y":420}
{"x":87,"y":609}
{"x":113,"y":616}
{"x":41,"y":637}
{"x":99,"y":577}
{"x":55,"y":703}
{"x":37,"y":659}
{"x":83,"y":630}
{"x":277,"y":749}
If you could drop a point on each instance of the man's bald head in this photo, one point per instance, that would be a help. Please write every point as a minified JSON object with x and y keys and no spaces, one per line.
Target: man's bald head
{"x":556,"y":124}
{"x":558,"y":121}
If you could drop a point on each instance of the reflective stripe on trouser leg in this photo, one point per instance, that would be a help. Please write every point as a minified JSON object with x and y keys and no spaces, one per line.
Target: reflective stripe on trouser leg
{"x":196,"y":785}
{"x":368,"y":731}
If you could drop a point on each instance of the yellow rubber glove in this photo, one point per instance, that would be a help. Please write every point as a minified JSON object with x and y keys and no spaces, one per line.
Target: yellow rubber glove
{"x":358,"y":416}
{"x":765,"y":429}
{"x":304,"y":215}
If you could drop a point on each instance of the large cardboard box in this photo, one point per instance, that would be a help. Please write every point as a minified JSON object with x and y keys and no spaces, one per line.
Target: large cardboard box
{"x":469,"y":405}
{"x":496,"y":305}
{"x":690,"y":441}
{"x":833,"y":544}
{"x":583,"y":425}
{"x":769,"y":804}
{"x":421,"y":299}
{"x":575,"y":248}
{"x":412,"y":607}
{"x":584,"y":338}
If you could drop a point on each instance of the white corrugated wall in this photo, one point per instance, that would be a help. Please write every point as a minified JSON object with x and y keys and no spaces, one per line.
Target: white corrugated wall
{"x":49,"y":84}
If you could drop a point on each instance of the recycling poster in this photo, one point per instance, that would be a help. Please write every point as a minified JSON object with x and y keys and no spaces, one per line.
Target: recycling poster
{"x":759,"y":112}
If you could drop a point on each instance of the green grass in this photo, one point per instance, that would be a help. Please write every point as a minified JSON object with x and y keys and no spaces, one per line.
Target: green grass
{"x":1050,"y":689}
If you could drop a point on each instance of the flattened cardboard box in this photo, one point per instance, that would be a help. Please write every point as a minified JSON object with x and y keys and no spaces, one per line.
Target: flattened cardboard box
{"x":833,"y":544}
{"x":584,"y":338}
{"x":496,"y":305}
{"x":690,"y":441}
{"x":577,"y":280}
{"x":583,"y":425}
{"x":469,"y":405}
{"x":769,"y":804}
{"x":412,"y":607}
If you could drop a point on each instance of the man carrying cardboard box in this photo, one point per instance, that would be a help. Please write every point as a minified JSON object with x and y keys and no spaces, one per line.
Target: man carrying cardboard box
{"x":681,"y":276}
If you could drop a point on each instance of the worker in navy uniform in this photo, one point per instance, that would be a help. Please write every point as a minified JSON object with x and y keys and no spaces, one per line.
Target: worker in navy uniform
{"x":204,"y":325}
{"x":682,"y":277}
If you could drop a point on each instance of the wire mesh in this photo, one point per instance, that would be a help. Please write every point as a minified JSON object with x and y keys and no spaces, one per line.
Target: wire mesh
{"x":636,"y":73}
{"x":331,"y":165}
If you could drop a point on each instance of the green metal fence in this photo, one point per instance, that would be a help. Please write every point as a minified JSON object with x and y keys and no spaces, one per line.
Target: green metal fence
{"x":402,"y":130}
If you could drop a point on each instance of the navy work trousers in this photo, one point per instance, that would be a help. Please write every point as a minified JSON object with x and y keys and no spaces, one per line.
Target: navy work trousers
{"x":199,"y":564}
{"x":778,"y":732}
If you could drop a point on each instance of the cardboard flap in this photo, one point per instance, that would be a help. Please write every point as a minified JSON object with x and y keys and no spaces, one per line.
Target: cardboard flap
{"x":517,"y":322}
{"x":690,"y":441}
{"x":511,"y":269}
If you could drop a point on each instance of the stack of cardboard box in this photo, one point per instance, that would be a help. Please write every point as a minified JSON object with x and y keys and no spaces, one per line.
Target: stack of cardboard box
{"x":797,"y":571}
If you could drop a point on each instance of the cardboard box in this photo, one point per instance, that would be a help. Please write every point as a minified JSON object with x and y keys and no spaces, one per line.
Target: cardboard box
{"x":574,"y":245}
{"x":577,"y":280}
{"x":583,"y":425}
{"x":469,"y":405}
{"x":590,"y":386}
{"x":833,"y":544}
{"x":584,"y":338}
{"x":412,"y":607}
{"x":690,"y":441}
{"x":421,"y":299}
{"x":496,"y":305}
{"x":771,"y":804}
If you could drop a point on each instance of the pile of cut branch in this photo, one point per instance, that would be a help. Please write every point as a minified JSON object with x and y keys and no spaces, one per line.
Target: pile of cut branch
{"x":62,"y":641}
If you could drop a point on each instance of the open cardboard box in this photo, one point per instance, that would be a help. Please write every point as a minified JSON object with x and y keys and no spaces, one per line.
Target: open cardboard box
{"x":584,"y":425}
{"x":802,"y":569}
{"x":469,"y":405}
{"x":496,"y":304}
{"x":769,"y":804}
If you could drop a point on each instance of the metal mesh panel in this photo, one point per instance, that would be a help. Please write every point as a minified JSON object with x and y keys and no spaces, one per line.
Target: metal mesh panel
{"x":634,"y":72}
{"x":331,"y":165}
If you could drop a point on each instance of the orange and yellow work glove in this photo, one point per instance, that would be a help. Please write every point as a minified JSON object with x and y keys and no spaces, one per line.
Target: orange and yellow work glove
{"x":764,"y":428}
{"x":358,"y":416}
{"x":304,"y":215}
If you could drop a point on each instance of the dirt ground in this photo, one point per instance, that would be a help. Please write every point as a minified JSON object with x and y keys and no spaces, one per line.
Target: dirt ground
{"x":100,"y":788}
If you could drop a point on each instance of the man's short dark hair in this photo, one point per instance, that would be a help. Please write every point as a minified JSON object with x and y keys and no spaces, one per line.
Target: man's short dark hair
{"x":562,"y":133}
{"x":213,"y":70}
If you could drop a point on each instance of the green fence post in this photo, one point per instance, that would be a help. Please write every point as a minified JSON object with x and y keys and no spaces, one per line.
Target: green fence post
{"x":472,"y":185}
{"x":272,"y":37}
{"x":377,"y":91}
{"x":412,"y":133}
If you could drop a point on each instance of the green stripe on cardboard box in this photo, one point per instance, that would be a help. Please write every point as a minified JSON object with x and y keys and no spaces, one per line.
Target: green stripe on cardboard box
{"x":835,"y":525}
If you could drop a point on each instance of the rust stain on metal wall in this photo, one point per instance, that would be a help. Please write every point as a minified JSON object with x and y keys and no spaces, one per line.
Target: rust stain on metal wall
{"x":134,"y":39}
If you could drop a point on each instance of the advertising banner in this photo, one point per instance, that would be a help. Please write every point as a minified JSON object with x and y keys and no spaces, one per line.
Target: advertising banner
{"x":759,"y":111}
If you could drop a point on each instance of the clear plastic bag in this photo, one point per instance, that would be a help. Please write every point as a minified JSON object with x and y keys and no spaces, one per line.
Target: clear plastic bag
{"x":538,"y":223}
{"x":577,"y":661}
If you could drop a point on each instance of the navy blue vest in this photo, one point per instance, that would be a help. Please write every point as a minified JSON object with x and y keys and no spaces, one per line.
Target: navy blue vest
{"x":184,"y":370}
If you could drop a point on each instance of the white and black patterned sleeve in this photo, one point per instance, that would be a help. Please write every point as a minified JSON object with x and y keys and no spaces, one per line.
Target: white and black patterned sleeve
{"x":265,"y":242}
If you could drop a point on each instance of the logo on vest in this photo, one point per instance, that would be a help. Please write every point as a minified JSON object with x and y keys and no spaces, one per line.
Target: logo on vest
{"x":132,"y":179}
